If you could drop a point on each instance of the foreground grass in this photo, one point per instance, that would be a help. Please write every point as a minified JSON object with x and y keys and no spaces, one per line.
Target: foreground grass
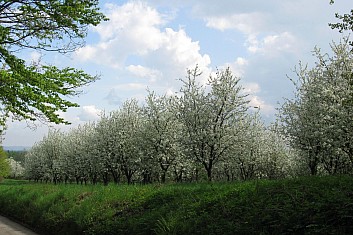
{"x":314,"y":205}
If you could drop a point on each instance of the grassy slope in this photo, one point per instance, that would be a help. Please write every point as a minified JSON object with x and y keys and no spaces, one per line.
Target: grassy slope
{"x":315,"y":205}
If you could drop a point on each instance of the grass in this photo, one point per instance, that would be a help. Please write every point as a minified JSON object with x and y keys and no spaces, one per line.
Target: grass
{"x":313,"y":205}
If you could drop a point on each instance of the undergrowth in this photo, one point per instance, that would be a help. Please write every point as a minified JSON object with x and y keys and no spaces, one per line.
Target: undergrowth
{"x":312,"y":205}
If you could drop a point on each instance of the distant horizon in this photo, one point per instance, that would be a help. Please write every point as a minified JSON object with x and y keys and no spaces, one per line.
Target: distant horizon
{"x":16,"y":148}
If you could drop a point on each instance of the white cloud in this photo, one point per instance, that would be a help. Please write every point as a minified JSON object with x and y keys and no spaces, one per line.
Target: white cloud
{"x":273,"y":45}
{"x":182,"y":49}
{"x":264,"y":107}
{"x":86,"y":53}
{"x":89,"y":113}
{"x":135,"y":19}
{"x":271,"y":28}
{"x":70,"y":116}
{"x":170,"y":92}
{"x":261,"y":36}
{"x":165,"y":53}
{"x":251,"y":88}
{"x":133,"y":28}
{"x":241,"y":61}
{"x":178,"y":53}
{"x":144,"y":72}
{"x":237,"y":67}
{"x":247,"y":23}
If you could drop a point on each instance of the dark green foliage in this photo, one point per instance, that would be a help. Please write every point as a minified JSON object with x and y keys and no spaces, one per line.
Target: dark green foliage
{"x":315,"y":205}
{"x":18,"y":156}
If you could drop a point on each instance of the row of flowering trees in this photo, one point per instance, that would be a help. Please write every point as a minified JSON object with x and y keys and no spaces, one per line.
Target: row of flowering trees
{"x":207,"y":132}
{"x":203,"y":132}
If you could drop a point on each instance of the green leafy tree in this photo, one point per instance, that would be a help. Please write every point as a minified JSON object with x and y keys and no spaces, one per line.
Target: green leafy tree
{"x":35,"y":91}
{"x":4,"y":164}
{"x":18,"y":156}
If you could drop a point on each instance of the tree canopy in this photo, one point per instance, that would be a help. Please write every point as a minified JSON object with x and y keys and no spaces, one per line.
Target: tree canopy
{"x":203,"y":132}
{"x":318,"y":121}
{"x":210,"y":118}
{"x":35,"y":91}
{"x":4,"y":165}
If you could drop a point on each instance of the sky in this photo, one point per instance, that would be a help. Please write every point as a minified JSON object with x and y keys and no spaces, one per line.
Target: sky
{"x":150,"y":45}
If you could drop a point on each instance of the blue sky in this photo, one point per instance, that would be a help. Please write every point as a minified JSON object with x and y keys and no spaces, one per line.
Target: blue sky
{"x":150,"y":44}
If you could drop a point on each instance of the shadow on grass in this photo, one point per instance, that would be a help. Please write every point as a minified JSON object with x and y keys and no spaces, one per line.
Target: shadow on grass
{"x":14,"y":182}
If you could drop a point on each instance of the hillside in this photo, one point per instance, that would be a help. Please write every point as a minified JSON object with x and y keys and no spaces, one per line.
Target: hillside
{"x":313,"y":205}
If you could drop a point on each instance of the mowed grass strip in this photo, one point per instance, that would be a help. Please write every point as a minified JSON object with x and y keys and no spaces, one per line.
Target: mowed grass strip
{"x":311,"y":205}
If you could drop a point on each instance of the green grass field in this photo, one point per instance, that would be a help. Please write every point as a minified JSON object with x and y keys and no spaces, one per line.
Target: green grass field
{"x":313,"y":205}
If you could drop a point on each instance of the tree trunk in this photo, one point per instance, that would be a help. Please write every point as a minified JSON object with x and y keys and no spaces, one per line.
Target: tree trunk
{"x":105,"y":178}
{"x":208,"y":168}
{"x":163,"y":177}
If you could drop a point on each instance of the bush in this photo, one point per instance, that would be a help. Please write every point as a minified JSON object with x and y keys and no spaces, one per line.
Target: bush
{"x":4,"y":165}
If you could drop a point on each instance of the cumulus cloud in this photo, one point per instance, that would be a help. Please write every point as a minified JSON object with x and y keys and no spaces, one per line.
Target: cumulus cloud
{"x":89,"y":113}
{"x":177,"y":53}
{"x":133,"y":28}
{"x":127,"y":33}
{"x":144,"y":72}
{"x":260,"y":23}
{"x":254,"y":25}
{"x":162,"y":52}
{"x":134,"y":19}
